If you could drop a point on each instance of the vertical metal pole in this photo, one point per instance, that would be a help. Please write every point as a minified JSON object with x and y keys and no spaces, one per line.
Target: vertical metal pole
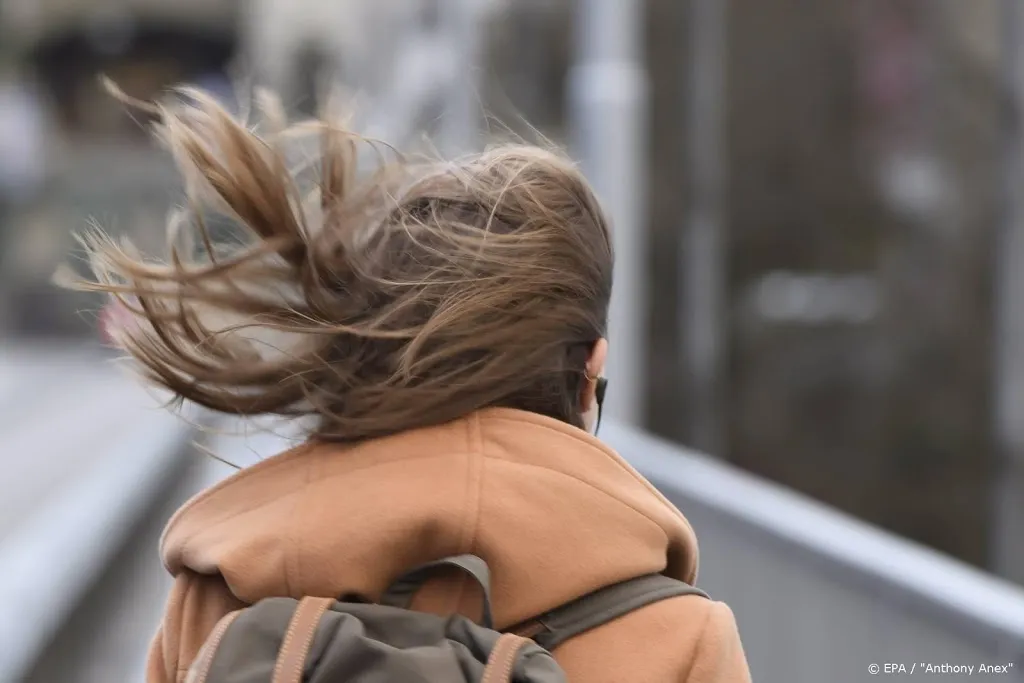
{"x":607,"y":93}
{"x":1008,"y":552}
{"x":703,"y":260}
{"x":460,"y":127}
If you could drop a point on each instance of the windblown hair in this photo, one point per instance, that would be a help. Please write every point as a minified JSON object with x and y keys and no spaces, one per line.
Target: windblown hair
{"x":409,"y":296}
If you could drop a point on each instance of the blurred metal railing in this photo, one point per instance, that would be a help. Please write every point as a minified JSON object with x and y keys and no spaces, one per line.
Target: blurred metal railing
{"x":85,"y":454}
{"x":819,"y":595}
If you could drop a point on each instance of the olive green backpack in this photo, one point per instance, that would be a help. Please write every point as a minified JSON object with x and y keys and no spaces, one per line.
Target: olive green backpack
{"x":322,"y":640}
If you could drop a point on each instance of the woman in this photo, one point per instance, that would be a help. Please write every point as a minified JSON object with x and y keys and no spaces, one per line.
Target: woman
{"x":443,"y":323}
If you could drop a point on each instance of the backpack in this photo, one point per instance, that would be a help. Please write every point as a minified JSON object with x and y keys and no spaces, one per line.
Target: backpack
{"x":323,"y":640}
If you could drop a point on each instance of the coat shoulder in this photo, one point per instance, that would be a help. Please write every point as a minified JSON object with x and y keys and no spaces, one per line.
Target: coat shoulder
{"x":687,"y":638}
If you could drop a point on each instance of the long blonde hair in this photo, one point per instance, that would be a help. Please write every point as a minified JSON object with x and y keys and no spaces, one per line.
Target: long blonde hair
{"x":410,"y":296}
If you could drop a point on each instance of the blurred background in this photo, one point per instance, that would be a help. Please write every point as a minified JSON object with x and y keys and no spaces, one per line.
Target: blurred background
{"x":819,"y":215}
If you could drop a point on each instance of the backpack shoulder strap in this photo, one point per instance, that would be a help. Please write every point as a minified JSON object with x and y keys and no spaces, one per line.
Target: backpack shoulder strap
{"x":607,"y":604}
{"x":402,"y":591}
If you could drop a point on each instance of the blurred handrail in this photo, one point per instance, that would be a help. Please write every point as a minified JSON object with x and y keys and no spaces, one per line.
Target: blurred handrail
{"x":53,"y":558}
{"x":975,"y":604}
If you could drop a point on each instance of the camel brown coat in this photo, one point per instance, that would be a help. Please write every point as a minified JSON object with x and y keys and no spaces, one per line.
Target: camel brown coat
{"x":554,"y":512}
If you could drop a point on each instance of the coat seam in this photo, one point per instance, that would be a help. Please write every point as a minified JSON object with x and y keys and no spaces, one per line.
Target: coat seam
{"x":588,"y":485}
{"x":268,"y":465}
{"x":471,"y":508}
{"x":699,"y":643}
{"x":600,"y":448}
{"x":293,"y":517}
{"x":474,"y":483}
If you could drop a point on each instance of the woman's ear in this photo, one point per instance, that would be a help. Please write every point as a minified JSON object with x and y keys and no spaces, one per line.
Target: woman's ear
{"x":595,"y":368}
{"x":598,"y":356}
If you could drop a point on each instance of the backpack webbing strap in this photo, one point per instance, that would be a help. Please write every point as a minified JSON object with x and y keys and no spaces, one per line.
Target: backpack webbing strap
{"x":402,"y":591}
{"x":502,"y":661}
{"x":299,"y":638}
{"x":607,"y":604}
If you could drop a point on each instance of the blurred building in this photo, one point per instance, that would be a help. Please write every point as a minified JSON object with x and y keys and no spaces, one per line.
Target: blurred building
{"x":298,"y":48}
{"x":95,"y":158}
{"x":862,"y":147}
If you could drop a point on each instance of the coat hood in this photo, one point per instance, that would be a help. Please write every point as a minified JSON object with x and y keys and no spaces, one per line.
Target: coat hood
{"x":553,"y":511}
